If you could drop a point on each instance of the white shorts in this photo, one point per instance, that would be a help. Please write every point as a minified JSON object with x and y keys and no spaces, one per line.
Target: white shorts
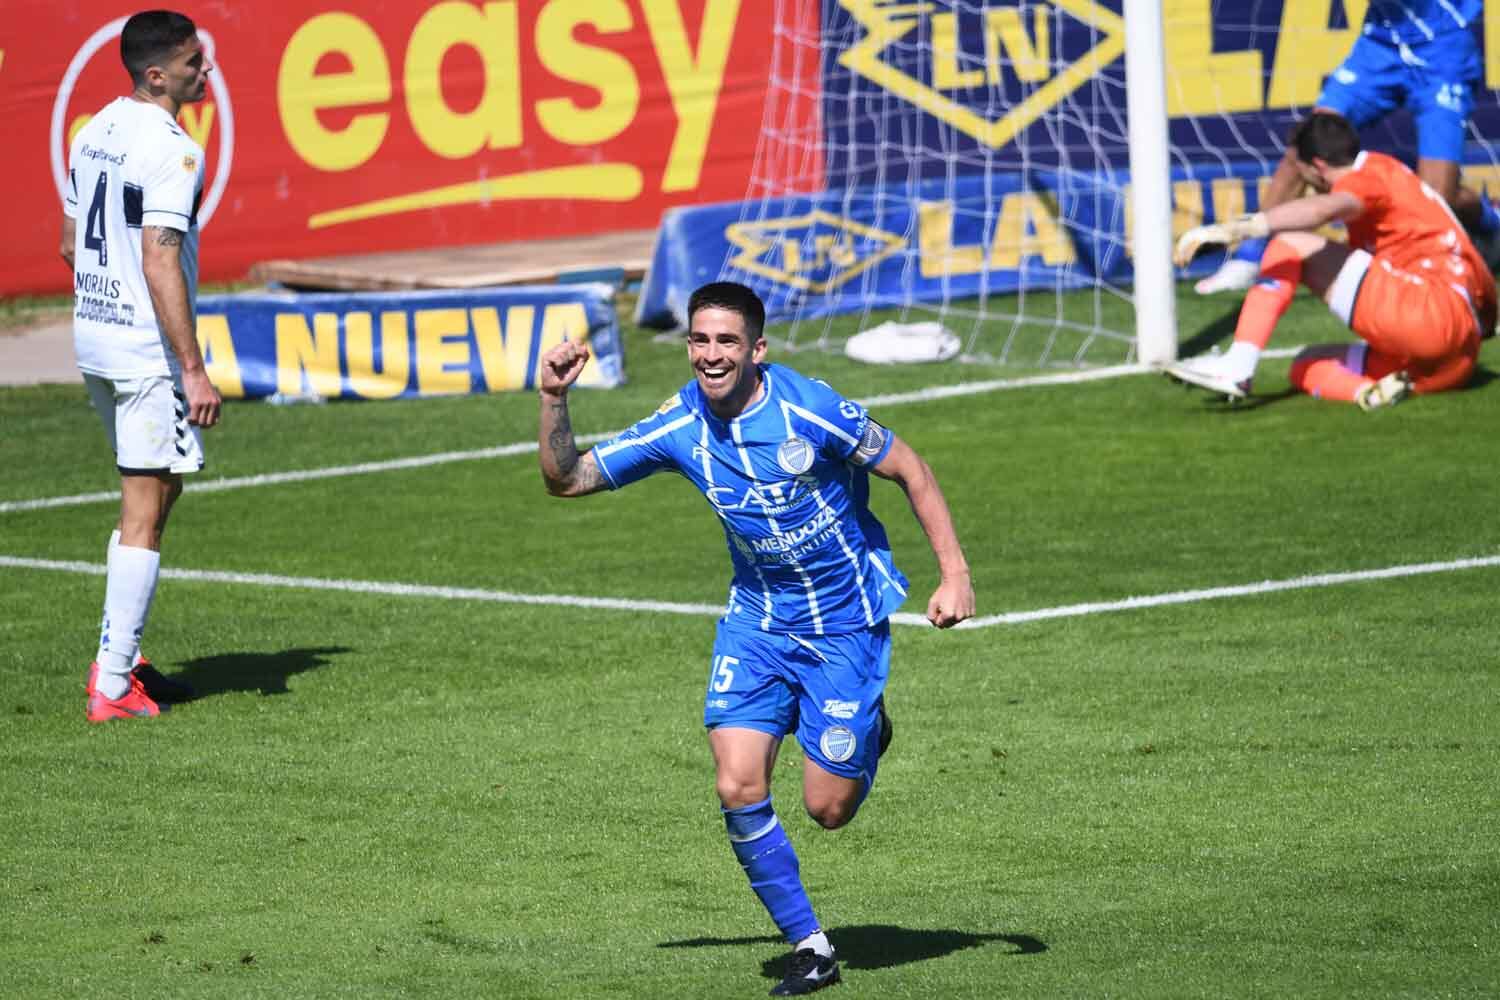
{"x":146,"y":421}
{"x":1346,"y":285}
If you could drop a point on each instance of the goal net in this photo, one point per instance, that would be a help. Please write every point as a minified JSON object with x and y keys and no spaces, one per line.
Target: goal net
{"x":969,"y":161}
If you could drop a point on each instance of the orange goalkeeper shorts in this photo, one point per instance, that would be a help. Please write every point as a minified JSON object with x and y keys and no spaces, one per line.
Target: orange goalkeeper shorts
{"x":1416,"y":323}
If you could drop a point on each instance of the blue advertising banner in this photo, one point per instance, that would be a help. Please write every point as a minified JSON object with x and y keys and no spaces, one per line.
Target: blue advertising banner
{"x":821,"y":254}
{"x":817,"y":255}
{"x":386,"y":345}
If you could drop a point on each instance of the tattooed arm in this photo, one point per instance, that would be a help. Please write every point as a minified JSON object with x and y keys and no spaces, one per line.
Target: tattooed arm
{"x":565,"y":471}
{"x":161,"y":260}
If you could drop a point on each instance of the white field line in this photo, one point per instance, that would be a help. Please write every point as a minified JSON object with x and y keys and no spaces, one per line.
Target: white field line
{"x":378,"y":587}
{"x":300,"y":475}
{"x":1242,"y":590}
{"x":528,"y":447}
{"x":714,"y":610}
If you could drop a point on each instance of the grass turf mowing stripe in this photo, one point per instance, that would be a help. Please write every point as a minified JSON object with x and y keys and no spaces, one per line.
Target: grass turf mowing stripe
{"x":714,"y":610}
{"x":528,"y":447}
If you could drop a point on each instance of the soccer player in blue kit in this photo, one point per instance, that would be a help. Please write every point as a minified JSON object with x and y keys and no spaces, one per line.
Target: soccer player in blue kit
{"x":1420,"y":54}
{"x":804,"y":644}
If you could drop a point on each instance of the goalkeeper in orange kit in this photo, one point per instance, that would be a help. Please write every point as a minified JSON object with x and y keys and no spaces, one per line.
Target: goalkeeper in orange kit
{"x":1409,"y":282}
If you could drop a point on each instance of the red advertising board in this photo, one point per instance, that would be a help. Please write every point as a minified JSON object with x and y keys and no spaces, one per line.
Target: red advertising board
{"x":358,"y":127}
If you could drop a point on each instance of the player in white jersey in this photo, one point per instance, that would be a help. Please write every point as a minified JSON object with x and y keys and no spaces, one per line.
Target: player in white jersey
{"x":804,"y":644}
{"x":130,"y":235}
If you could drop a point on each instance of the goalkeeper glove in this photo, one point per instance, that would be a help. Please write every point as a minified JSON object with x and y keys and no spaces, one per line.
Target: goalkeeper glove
{"x":1227,"y":234}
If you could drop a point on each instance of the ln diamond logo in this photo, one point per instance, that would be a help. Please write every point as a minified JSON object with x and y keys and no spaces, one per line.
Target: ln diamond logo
{"x":1027,"y":56}
{"x":815,"y":252}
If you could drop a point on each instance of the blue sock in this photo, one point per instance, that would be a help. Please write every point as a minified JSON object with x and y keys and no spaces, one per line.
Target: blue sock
{"x":1489,"y":219}
{"x":1251,"y":250}
{"x":768,"y":859}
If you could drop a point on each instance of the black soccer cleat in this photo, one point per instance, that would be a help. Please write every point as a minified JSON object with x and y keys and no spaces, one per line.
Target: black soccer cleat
{"x":807,"y":971}
{"x":886,"y":729}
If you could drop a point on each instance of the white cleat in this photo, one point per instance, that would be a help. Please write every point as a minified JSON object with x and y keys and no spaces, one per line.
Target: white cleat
{"x":1387,"y":392}
{"x":1234,"y":275}
{"x":1212,"y":372}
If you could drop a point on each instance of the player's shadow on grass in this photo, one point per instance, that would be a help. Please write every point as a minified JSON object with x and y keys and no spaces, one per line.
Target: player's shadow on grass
{"x":1210,"y":335}
{"x":878,"y":946}
{"x":263,"y":672}
{"x":1254,"y":401}
{"x":1482,"y":377}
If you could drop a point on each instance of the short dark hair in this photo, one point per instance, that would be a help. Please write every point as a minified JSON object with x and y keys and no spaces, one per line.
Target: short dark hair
{"x":1326,"y":136}
{"x":737,"y":299}
{"x":149,"y":37}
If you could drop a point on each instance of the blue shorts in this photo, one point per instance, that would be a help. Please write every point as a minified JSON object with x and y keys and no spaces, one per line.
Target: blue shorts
{"x":825,"y":688}
{"x":1435,"y":83}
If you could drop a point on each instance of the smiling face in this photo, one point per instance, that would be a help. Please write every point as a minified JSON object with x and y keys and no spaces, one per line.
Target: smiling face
{"x":724,"y":360}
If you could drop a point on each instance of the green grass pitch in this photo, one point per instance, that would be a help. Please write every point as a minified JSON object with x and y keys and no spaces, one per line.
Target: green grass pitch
{"x":1285,"y":794}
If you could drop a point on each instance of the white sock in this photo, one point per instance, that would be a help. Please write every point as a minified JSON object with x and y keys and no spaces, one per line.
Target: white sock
{"x":818,"y":942}
{"x":128,"y":590}
{"x":1243,"y":356}
{"x":114,"y":543}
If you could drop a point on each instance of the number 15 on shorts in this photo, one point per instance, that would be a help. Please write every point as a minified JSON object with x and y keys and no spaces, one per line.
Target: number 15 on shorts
{"x":723,"y":675}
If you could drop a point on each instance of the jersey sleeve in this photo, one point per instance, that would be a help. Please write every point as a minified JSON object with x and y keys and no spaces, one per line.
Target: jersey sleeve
{"x":70,"y":196}
{"x":1369,"y":185}
{"x":848,"y":432}
{"x":170,"y":186}
{"x":644,"y":448}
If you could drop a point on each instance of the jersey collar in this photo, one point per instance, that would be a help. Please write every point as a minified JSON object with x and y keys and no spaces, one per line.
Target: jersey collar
{"x":701,"y":403}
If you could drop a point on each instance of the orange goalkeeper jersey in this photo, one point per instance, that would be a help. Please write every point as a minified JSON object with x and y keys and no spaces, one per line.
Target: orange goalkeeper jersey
{"x":1410,"y":225}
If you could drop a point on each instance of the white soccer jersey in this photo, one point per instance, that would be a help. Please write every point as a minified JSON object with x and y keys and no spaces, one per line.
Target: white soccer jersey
{"x":129,"y":166}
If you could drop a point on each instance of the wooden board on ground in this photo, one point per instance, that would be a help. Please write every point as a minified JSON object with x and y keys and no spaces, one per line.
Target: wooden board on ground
{"x":624,"y":255}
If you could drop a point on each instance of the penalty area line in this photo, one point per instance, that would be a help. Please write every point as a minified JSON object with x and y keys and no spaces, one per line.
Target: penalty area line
{"x":388,"y":589}
{"x":528,"y":447}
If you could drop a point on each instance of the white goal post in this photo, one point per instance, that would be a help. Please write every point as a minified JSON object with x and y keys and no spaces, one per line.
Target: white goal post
{"x":1151,"y":188}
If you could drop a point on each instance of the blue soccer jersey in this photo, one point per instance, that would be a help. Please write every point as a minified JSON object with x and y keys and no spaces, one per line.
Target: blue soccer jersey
{"x":1420,"y":21}
{"x":789,"y":480}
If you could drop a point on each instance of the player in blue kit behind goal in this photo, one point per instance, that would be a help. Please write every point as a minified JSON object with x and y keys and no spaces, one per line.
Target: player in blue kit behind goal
{"x":804,"y":644}
{"x":1423,"y":55}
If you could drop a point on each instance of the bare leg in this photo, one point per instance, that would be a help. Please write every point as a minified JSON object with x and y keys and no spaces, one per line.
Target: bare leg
{"x":830,"y":799}
{"x":743,"y":759}
{"x":145,"y":504}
